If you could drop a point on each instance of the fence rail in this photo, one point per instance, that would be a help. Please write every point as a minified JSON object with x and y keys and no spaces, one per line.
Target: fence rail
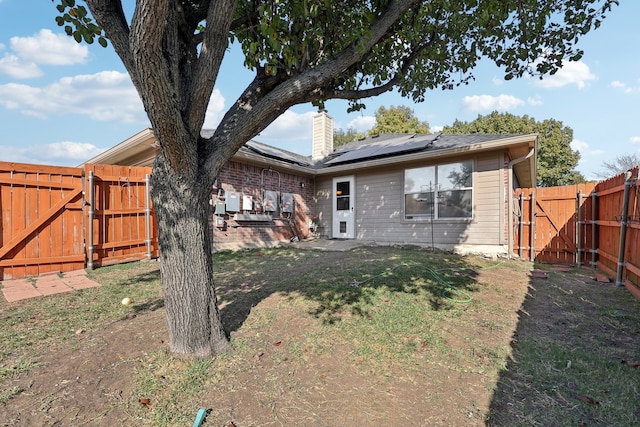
{"x":46,"y":219}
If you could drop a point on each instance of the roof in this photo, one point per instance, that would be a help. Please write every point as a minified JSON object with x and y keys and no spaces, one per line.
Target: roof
{"x":371,"y":152}
{"x":389,"y":149}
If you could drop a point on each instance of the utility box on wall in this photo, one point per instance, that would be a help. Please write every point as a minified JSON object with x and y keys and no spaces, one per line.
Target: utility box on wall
{"x":287,"y":202}
{"x":233,"y":201}
{"x":247,"y":202}
{"x":270,"y":201}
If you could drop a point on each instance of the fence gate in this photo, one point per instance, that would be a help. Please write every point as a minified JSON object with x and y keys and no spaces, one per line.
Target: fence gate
{"x":120,"y":224}
{"x":57,"y":219}
{"x":553,"y":224}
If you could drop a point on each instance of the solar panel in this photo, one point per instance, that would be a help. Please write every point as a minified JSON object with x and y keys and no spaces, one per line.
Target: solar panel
{"x":385,"y":148}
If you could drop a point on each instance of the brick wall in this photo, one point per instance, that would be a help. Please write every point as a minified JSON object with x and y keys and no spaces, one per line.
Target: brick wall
{"x":253,"y":180}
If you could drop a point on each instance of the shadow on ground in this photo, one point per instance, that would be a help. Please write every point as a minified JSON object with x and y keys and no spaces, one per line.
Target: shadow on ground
{"x":573,"y":354}
{"x":338,"y":283}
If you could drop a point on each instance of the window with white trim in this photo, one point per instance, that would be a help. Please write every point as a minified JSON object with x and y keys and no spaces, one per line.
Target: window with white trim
{"x":438,"y":192}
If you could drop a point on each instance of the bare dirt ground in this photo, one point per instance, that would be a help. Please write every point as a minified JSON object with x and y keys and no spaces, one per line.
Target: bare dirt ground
{"x":288,"y":376}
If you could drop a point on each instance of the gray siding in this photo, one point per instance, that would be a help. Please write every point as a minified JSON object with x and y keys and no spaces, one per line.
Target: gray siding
{"x":380,"y":209}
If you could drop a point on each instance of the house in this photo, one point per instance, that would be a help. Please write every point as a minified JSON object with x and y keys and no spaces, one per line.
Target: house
{"x":452,"y":192}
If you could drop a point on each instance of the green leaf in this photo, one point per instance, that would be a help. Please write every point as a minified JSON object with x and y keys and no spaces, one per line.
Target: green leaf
{"x":78,"y":36}
{"x":102,"y":41}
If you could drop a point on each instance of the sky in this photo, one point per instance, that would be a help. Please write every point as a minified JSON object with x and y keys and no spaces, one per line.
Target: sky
{"x":62,"y":103}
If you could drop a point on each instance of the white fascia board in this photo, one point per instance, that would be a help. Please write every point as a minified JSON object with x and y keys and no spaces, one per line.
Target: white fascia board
{"x":116,"y":152}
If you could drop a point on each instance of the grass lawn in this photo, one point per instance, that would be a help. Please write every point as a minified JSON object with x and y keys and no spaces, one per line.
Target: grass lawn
{"x":374,"y":336}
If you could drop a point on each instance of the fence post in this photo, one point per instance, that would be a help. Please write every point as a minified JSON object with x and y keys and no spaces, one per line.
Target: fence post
{"x":578,"y":231}
{"x":147,"y":215}
{"x":624,"y":219}
{"x":92,"y":200}
{"x":521,"y":224}
{"x":594,"y":229}
{"x":532,"y":249}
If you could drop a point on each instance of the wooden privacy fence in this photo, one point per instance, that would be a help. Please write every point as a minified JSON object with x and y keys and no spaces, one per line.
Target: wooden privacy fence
{"x":57,"y":219}
{"x":593,"y":224}
{"x":546,"y":223}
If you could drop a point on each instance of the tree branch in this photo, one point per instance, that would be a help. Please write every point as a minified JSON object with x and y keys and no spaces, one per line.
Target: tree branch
{"x":110,"y":16}
{"x":266,"y":99}
{"x":214,"y":45}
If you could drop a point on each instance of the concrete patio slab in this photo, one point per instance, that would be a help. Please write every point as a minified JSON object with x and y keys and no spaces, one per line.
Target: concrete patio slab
{"x":46,"y":284}
{"x":19,"y":289}
{"x":79,"y":282}
{"x":50,"y":285}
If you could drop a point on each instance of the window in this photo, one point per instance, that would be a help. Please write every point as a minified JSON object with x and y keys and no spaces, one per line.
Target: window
{"x":342,"y":195}
{"x":441,"y":191}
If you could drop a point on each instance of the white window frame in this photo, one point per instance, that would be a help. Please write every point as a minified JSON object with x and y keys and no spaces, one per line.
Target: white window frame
{"x":424,"y":191}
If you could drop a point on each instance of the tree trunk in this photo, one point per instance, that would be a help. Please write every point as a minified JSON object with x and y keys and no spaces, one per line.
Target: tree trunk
{"x":181,"y":203}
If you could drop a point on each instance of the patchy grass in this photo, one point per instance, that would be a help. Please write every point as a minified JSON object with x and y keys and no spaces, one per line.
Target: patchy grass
{"x":32,"y":325}
{"x":372,"y":336}
{"x":570,"y":365}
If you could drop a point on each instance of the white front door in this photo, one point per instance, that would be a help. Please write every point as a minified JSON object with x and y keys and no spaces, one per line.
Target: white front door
{"x":343,"y":208}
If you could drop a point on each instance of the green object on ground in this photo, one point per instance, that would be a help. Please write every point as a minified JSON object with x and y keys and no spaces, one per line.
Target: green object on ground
{"x":202,"y":414}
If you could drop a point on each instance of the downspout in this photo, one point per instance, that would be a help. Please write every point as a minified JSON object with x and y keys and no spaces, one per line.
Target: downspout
{"x":532,"y":151}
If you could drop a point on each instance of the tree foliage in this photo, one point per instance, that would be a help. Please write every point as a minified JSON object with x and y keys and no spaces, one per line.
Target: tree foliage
{"x":301,"y":51}
{"x":341,"y":137}
{"x":556,"y":159}
{"x":619,"y":165}
{"x":399,"y":119}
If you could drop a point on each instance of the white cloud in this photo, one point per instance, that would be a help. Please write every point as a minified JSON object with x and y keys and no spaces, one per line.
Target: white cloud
{"x":480,"y":103}
{"x":497,"y":81}
{"x":78,"y":151}
{"x":634,"y":140}
{"x":616,"y":84}
{"x":215,"y":110}
{"x":577,"y":73}
{"x":362,"y":123}
{"x":64,"y":153}
{"x":48,"y":48}
{"x":43,"y":48}
{"x":289,"y":126}
{"x":578,"y":145}
{"x":584,"y":149}
{"x":104,"y":96}
{"x":14,"y":67}
{"x":534,"y":101}
{"x":436,"y":129}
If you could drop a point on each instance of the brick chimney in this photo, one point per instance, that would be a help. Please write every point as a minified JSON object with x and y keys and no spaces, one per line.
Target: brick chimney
{"x":322,"y":139}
